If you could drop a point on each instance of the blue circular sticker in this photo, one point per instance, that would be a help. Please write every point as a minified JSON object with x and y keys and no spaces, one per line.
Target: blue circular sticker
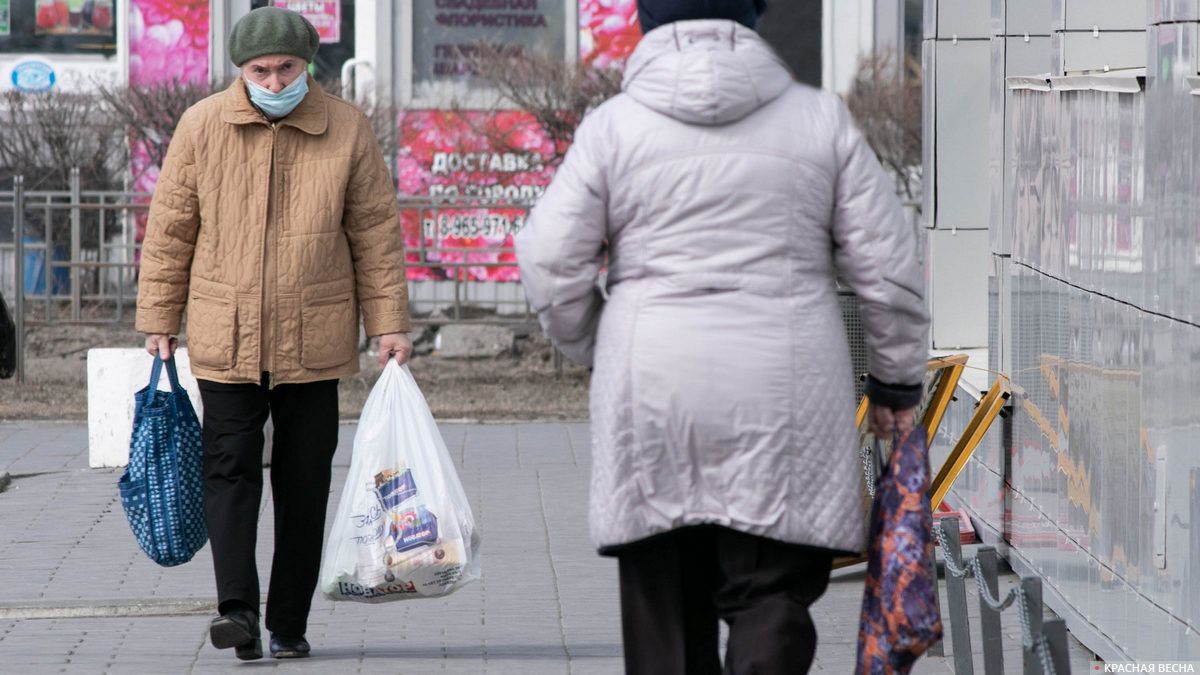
{"x":33,"y":76}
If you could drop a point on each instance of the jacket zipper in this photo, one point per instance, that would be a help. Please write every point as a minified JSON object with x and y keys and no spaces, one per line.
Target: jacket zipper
{"x":266,"y":227}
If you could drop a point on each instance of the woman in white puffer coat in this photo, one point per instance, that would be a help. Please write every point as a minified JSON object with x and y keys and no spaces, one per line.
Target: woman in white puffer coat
{"x":727,"y":199}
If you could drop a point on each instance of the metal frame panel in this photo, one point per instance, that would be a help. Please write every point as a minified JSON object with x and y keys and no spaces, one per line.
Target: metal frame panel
{"x":1103,"y":51}
{"x":963,"y":19}
{"x":987,"y":412}
{"x":1105,"y":15}
{"x":1026,"y":17}
{"x":1161,"y":11}
{"x":960,"y":167}
{"x":1058,"y":13}
{"x":958,"y":265}
{"x":1011,"y":56}
{"x":1001,"y":273}
{"x":929,"y":128}
{"x":1000,"y":231}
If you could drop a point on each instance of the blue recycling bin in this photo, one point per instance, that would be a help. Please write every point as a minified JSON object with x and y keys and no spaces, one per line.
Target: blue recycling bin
{"x":35,"y":269}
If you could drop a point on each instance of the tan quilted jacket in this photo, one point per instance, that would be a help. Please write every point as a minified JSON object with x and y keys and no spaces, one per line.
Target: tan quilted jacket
{"x":272,"y":236}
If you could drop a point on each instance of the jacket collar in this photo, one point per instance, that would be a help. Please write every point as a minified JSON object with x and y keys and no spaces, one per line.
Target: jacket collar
{"x":311,"y":116}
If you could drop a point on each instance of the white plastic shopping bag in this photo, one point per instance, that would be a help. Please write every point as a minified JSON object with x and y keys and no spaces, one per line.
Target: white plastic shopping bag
{"x":404,"y":528}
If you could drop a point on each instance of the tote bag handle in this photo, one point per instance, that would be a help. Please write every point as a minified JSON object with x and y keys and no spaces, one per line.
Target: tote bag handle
{"x":172,"y":375}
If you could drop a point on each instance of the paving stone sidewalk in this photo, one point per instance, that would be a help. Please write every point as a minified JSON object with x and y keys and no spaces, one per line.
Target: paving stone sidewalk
{"x":79,"y":597}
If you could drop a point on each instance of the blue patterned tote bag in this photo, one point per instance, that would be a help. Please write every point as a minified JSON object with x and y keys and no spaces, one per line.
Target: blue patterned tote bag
{"x":162,"y":488}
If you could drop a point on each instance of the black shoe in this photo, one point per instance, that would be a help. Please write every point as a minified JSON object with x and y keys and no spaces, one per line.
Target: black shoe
{"x":289,"y":648}
{"x":237,"y":629}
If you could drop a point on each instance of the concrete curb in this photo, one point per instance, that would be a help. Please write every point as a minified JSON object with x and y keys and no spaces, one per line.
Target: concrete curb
{"x":91,"y":609}
{"x":491,"y":422}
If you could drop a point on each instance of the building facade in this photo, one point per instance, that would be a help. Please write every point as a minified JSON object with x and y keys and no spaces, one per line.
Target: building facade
{"x":1076,"y":121}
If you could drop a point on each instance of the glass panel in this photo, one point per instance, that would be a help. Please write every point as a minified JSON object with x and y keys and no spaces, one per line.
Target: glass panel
{"x":58,"y":27}
{"x":445,"y":30}
{"x":913,"y":16}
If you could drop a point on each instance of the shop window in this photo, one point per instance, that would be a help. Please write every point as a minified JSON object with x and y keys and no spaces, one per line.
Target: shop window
{"x":58,"y":27}
{"x":334,"y":21}
{"x":445,"y":33}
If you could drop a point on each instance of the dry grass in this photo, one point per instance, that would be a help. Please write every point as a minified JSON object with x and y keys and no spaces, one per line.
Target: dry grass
{"x":520,"y":386}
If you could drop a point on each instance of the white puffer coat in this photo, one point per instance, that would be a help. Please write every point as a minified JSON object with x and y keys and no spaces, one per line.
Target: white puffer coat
{"x":727,"y":199}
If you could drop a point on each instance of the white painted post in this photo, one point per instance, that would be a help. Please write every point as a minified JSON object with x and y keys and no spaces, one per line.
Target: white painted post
{"x":114,"y":376}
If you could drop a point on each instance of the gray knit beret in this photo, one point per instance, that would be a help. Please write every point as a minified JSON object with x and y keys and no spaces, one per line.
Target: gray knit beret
{"x":272,"y":30}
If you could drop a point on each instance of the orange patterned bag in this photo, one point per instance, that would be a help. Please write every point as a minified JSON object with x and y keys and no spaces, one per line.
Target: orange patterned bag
{"x":900,"y":616}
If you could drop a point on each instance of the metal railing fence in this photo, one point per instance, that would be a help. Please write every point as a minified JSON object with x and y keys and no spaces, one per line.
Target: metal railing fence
{"x":1043,"y":642}
{"x":72,"y":257}
{"x":465,"y":262}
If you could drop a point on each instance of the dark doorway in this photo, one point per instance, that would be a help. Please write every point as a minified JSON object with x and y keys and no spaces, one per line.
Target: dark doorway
{"x":793,"y":27}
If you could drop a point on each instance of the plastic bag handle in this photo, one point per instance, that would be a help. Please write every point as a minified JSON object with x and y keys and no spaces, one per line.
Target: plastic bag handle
{"x":172,"y":374}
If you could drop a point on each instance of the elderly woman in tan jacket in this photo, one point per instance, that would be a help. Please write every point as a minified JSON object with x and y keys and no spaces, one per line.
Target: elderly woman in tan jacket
{"x":273,"y":223}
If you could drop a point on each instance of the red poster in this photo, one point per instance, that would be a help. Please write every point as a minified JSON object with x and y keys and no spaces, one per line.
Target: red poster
{"x":325,"y":16}
{"x":446,"y":155}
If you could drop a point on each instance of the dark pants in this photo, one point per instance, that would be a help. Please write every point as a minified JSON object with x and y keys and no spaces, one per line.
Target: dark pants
{"x":675,"y":587}
{"x":306,"y":434}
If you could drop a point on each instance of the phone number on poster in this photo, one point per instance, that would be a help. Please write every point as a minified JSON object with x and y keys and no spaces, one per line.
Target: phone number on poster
{"x":469,"y":227}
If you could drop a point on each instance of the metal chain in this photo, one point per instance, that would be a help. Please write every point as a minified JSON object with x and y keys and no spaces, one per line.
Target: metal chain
{"x":972,"y":566}
{"x":1023,"y":615}
{"x":1038,"y":645}
{"x":986,"y":593}
{"x":958,"y":569}
{"x":1043,"y":650}
{"x":868,"y":469}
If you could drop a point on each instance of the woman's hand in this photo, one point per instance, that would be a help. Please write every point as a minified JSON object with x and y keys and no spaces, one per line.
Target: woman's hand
{"x":162,"y":345}
{"x":394,"y":345}
{"x":886,"y":422}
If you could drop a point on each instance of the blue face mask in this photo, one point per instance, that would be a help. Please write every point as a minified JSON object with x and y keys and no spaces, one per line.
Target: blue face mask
{"x":281,"y":104}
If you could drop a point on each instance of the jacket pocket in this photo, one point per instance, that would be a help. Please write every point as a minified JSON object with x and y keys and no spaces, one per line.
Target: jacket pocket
{"x":329,"y":332}
{"x":212,"y":331}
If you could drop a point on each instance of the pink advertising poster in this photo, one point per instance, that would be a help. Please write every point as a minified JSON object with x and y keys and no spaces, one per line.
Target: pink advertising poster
{"x":325,"y":16}
{"x":477,"y":154}
{"x":608,"y":31}
{"x":492,"y":156}
{"x":168,"y":41}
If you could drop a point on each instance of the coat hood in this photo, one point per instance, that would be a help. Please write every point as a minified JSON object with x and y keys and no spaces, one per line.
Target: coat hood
{"x":705,"y":72}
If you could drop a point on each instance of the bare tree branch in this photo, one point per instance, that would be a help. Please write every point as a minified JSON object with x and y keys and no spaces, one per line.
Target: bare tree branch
{"x":382,"y":112}
{"x":556,"y":94}
{"x":46,"y":135}
{"x":886,"y":104}
{"x":149,"y":114}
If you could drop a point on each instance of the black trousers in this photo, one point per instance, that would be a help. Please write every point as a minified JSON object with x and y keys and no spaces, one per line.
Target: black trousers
{"x":306,"y":434}
{"x":675,"y":588}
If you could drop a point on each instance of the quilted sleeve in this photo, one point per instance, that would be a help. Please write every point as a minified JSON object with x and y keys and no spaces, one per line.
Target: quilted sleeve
{"x":561,"y":248}
{"x":372,"y":226}
{"x":170,"y":240}
{"x":876,"y":254}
